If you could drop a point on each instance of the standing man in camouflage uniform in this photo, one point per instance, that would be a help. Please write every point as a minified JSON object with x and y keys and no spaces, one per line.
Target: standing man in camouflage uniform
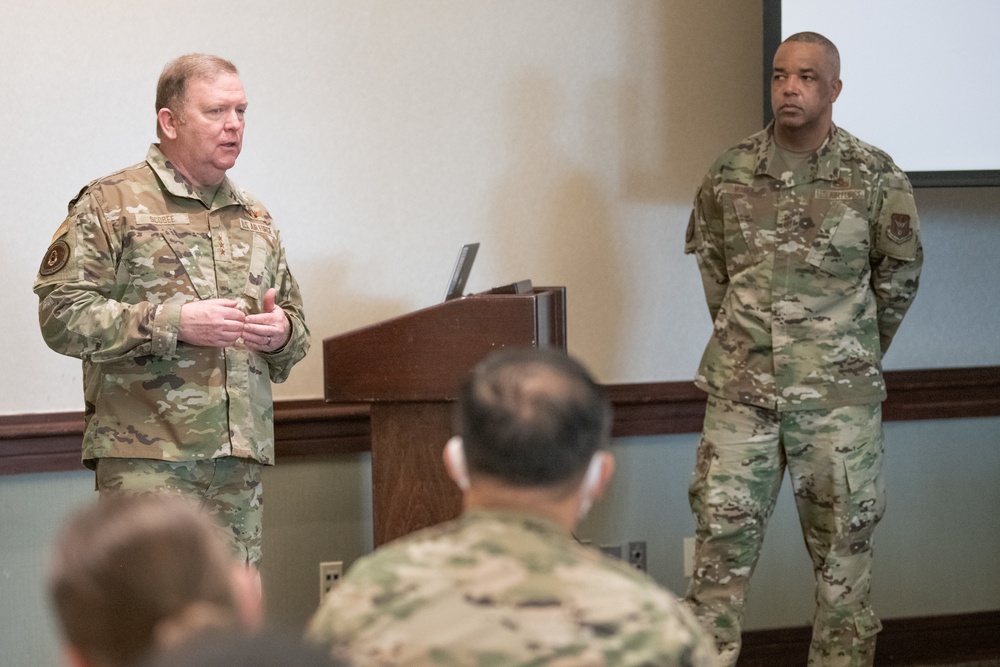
{"x":807,"y":242}
{"x":506,"y":583}
{"x":170,"y":283}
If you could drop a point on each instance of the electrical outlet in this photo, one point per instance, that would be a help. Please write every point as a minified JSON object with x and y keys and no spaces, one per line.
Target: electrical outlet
{"x":637,"y":555}
{"x":329,"y":574}
{"x":688,"y":557}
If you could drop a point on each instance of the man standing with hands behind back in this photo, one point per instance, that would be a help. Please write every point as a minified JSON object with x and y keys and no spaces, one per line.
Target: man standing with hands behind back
{"x":170,"y":283}
{"x":807,"y":240}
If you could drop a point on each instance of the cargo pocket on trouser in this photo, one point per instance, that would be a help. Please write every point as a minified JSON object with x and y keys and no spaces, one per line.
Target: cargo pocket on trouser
{"x":845,"y":626}
{"x":852,"y":644}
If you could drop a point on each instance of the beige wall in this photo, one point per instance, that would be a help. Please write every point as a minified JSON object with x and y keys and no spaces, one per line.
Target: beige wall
{"x":567,"y":136}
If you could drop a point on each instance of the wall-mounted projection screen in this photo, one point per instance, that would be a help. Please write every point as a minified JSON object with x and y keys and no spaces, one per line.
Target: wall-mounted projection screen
{"x":920,"y":80}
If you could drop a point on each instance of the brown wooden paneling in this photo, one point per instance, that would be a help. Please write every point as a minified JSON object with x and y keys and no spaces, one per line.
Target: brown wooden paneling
{"x":410,"y":487}
{"x":425,"y":355}
{"x":311,"y":428}
{"x":942,"y":393}
{"x":657,"y":408}
{"x":48,"y":442}
{"x":303,"y":429}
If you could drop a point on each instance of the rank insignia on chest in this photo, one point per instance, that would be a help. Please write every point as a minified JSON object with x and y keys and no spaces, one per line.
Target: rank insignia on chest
{"x":900,"y":229}
{"x":843,"y":180}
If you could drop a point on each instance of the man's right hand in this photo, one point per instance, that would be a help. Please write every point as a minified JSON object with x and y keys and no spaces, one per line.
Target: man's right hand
{"x":211,"y":323}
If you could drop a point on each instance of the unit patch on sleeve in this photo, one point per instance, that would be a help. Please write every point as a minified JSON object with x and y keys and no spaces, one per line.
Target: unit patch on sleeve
{"x":899,"y":230}
{"x":55,"y":258}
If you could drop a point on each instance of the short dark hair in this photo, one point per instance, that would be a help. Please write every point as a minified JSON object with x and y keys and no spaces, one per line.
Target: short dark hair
{"x":815,"y":38}
{"x":129,"y":572}
{"x":172,"y":85}
{"x":531,"y":417}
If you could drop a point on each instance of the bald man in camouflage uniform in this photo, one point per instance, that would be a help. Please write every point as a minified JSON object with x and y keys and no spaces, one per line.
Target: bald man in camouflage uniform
{"x":171,"y":284}
{"x":807,"y":241}
{"x":506,"y":583}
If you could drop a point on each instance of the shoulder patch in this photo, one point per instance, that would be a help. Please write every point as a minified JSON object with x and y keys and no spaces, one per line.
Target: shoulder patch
{"x":55,"y":258}
{"x":899,"y":230}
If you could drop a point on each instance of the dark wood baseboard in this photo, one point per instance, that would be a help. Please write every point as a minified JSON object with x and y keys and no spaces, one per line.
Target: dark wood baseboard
{"x":306,"y":429}
{"x":932,"y":640}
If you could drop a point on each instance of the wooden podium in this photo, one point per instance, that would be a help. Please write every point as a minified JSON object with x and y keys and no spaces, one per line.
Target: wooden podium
{"x":409,"y":369}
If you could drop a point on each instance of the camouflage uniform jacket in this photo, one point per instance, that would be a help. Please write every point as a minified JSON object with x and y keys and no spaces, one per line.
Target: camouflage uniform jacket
{"x":807,"y":273}
{"x":501,"y":588}
{"x":136,"y":246}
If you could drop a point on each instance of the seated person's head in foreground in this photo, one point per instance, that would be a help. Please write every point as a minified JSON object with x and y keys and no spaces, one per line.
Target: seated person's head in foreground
{"x":506,"y":583}
{"x":530,"y":427}
{"x":133,"y":574}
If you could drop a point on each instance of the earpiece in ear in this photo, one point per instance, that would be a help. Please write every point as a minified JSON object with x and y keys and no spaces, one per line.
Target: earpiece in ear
{"x":589,"y":485}
{"x":454,"y":451}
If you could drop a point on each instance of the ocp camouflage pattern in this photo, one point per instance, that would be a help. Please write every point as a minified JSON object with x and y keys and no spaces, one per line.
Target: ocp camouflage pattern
{"x":834,"y":459}
{"x":136,"y":246}
{"x":496,"y":588}
{"x":807,"y":273}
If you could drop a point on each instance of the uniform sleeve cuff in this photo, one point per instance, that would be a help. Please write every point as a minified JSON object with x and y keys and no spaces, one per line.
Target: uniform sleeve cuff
{"x":166,"y":324}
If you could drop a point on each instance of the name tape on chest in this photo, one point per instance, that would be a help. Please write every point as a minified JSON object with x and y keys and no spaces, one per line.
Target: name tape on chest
{"x":839,"y":195}
{"x":162,"y":219}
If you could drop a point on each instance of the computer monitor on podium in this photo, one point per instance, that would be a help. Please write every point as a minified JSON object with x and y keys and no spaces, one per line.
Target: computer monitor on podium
{"x":460,"y":275}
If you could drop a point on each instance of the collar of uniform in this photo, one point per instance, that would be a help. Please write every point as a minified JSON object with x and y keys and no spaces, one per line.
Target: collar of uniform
{"x":174,"y":183}
{"x":828,"y":156}
{"x":766,"y":150}
{"x":827,"y":166}
{"x":532,"y":522}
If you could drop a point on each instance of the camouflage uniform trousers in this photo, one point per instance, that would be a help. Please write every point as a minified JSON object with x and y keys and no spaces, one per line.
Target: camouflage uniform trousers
{"x":834,"y":459}
{"x":228,"y":488}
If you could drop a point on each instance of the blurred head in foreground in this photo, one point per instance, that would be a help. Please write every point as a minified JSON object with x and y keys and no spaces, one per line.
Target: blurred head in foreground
{"x":136,"y":573}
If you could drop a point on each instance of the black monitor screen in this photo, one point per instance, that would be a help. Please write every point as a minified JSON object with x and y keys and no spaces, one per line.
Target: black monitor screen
{"x":460,"y":275}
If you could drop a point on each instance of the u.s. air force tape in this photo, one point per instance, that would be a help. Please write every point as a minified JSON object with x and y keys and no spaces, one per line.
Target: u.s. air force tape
{"x":55,"y":258}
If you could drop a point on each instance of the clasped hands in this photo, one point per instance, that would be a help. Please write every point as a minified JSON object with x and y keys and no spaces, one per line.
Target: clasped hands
{"x":221,"y":323}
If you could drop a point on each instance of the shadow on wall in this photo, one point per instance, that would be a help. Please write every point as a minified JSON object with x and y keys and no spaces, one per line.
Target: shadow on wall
{"x":334,"y":304}
{"x":551,"y":222}
{"x":673,"y":120}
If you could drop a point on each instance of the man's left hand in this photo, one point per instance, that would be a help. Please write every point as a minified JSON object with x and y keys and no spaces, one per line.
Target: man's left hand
{"x":268,"y":330}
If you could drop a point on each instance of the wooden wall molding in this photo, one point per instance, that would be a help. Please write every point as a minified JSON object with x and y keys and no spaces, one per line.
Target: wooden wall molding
{"x":305,"y":429}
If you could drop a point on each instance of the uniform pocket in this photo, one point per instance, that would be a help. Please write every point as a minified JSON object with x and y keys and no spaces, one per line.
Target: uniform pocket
{"x":169,"y":254}
{"x":866,"y":487}
{"x":260,"y":273}
{"x":742,"y":245}
{"x":843,"y":243}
